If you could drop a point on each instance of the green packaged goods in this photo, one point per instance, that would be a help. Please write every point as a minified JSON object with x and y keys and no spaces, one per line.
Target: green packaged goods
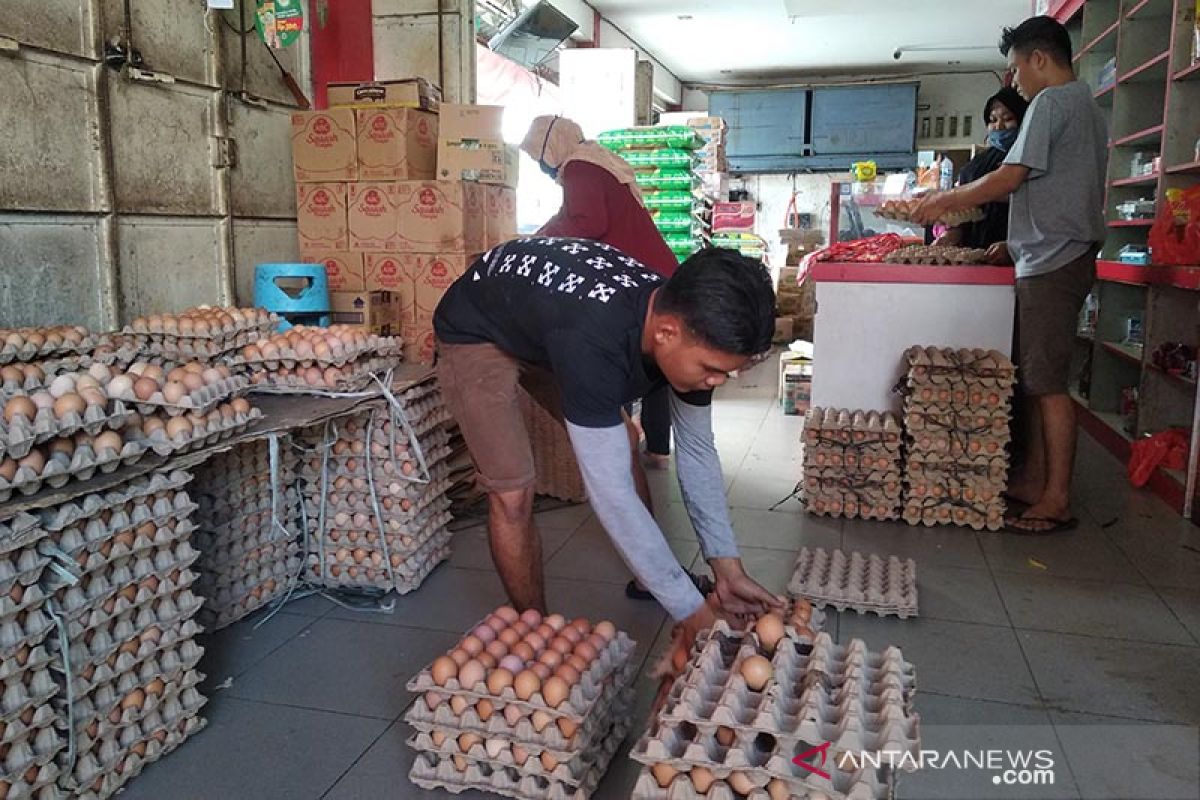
{"x":679,"y":137}
{"x":675,"y":222}
{"x":663,"y":157}
{"x":668,"y":179}
{"x":677,"y":201}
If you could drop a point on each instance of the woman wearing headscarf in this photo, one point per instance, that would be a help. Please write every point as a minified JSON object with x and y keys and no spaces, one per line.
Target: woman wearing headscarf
{"x":1002,"y":114}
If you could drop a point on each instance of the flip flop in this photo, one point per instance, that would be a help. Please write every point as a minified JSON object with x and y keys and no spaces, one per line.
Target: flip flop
{"x":703,"y":583}
{"x":1013,"y":525}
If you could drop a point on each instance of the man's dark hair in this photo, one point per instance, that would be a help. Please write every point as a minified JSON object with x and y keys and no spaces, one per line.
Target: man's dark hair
{"x":725,"y":299}
{"x":1038,"y":33}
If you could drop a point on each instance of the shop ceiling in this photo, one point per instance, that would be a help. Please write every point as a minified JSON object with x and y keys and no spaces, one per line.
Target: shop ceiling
{"x":755,"y":41}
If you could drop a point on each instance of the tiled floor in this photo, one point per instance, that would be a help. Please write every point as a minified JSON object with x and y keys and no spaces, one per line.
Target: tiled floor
{"x":1086,"y":644}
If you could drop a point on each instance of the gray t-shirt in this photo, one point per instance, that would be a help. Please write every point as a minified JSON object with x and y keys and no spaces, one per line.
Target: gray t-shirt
{"x":1057,"y":215}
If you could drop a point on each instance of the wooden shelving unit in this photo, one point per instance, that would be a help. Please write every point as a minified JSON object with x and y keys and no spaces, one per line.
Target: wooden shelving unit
{"x":1153,"y":109}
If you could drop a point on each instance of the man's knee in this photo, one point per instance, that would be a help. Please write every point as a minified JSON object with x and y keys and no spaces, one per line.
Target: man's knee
{"x":513,"y":506}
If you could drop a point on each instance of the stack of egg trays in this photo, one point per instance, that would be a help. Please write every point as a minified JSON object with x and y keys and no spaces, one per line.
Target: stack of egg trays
{"x":957,"y":411}
{"x":247,"y":534}
{"x":862,"y":583}
{"x":18,"y":436}
{"x":127,"y":660}
{"x":376,"y":506}
{"x":852,"y":463}
{"x":29,"y":725}
{"x":857,"y":700}
{"x":599,"y":704}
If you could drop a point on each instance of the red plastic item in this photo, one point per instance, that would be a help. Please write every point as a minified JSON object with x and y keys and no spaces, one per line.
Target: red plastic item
{"x":1172,"y":242}
{"x":1167,"y":449}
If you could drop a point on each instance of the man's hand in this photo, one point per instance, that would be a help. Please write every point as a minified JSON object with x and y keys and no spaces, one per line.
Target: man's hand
{"x":933,"y":207}
{"x":683,"y":637}
{"x":998,"y":254}
{"x":737,"y":593}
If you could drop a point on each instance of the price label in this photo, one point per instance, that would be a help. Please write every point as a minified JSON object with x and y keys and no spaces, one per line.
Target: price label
{"x":279,"y":22}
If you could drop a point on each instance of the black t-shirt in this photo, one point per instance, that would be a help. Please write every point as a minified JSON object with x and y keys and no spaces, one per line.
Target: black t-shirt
{"x":574,"y":306}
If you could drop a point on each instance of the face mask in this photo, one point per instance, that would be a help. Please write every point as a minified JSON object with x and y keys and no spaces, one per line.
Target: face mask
{"x":1003,"y":140}
{"x":549,"y":170}
{"x":546,"y":168}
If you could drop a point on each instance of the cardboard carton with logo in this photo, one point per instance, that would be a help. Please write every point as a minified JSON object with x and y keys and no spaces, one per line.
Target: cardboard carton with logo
{"x":501,"y":208}
{"x":394,"y":273}
{"x":321,"y":216}
{"x":344,"y":270}
{"x":406,"y":93}
{"x":374,"y":312}
{"x":432,"y":277}
{"x":323,"y":146}
{"x":396,"y":144}
{"x":374,"y":218}
{"x":438,"y":217}
{"x":471,"y":145}
{"x":419,"y":342}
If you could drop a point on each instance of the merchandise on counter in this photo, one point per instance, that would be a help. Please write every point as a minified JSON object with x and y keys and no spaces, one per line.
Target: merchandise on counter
{"x":938,"y":254}
{"x":246,"y":530}
{"x":852,"y":463}
{"x":902,"y":210}
{"x":523,"y":706}
{"x":374,"y":498}
{"x":734,"y":217}
{"x":128,"y":652}
{"x":866,"y":584}
{"x":957,"y":409}
{"x":748,"y":244}
{"x":747,"y":704}
{"x":870,"y":249}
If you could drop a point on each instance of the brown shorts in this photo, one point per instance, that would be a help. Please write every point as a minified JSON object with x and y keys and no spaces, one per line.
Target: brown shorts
{"x":1047,"y":318}
{"x":479,"y":384}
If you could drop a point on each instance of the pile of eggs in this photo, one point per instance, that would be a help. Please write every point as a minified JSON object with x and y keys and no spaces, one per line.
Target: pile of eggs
{"x":28,"y":343}
{"x":703,"y":780}
{"x":150,"y":384}
{"x":526,"y":653}
{"x":59,"y":459}
{"x":203,"y":322}
{"x":71,"y":401}
{"x":318,"y":358}
{"x":190,"y":429}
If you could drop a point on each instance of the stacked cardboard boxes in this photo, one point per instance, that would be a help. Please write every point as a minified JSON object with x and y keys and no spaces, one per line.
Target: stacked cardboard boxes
{"x":374,"y":208}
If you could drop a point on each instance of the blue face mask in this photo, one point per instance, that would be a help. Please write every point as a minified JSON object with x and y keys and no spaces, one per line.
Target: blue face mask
{"x":549,"y":170}
{"x":1003,"y":140}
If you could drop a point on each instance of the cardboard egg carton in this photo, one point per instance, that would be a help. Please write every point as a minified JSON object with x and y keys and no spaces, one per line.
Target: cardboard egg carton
{"x":27,"y":689}
{"x":210,"y":431}
{"x":391,"y":444}
{"x":37,"y":782}
{"x":288,"y":357}
{"x":863,"y":583}
{"x":123,"y":654}
{"x":26,"y":628}
{"x":499,"y":753}
{"x":227,"y":519}
{"x":60,"y":469}
{"x":403,"y":577}
{"x":18,"y":436}
{"x":16,"y":534}
{"x":20,"y":726}
{"x":432,"y":771}
{"x":226,"y":556}
{"x":398,"y":513}
{"x":938,"y":254}
{"x":397,"y":479}
{"x":961,"y":417}
{"x":684,"y":747}
{"x":217,"y":549}
{"x":108,"y":782}
{"x":166,"y":664}
{"x":112,"y":711}
{"x":841,"y":427}
{"x":974,"y":490}
{"x":92,"y":553}
{"x":227,"y":606}
{"x":902,"y":210}
{"x":357,"y":376}
{"x":156,"y":483}
{"x":21,"y":568}
{"x":108,"y":635}
{"x":401,"y":543}
{"x":58,"y":340}
{"x":988,"y":369}
{"x":958,"y":443}
{"x":362,"y":528}
{"x":948,"y":513}
{"x":249,"y":574}
{"x":247,"y":321}
{"x":432,"y":711}
{"x":18,"y":600}
{"x":29,"y":753}
{"x":200,"y":401}
{"x":31,"y":657}
{"x":681,"y":787}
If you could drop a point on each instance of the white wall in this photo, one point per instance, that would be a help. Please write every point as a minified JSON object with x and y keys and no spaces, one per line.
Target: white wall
{"x":953,"y":96}
{"x":666,"y":86}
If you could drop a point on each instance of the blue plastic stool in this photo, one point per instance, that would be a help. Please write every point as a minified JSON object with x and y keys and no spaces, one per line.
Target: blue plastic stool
{"x":298,"y":293}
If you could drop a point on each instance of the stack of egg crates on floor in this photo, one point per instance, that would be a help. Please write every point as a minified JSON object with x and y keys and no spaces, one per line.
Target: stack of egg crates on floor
{"x":246,"y":530}
{"x":863,"y":583}
{"x":30,"y":734}
{"x":749,"y":703}
{"x":523,"y":706}
{"x":375,"y":497}
{"x":125,"y":649}
{"x":852,"y":463}
{"x":957,"y":408}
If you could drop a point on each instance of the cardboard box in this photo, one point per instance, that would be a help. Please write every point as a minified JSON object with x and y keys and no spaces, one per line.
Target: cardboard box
{"x":407,"y":93}
{"x":733,"y":217}
{"x":419,"y":343}
{"x":500,"y":205}
{"x":460,"y":122}
{"x":373,"y":217}
{"x":485,"y":162}
{"x":396,"y":144}
{"x":394,"y":273}
{"x":375,"y":312}
{"x":785,"y":328}
{"x":345,"y":271}
{"x":439,"y":217}
{"x":432,"y":276}
{"x":323,"y":146}
{"x":321,"y":217}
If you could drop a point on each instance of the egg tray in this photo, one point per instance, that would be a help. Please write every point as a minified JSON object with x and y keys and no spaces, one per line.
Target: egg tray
{"x":31,"y":596}
{"x":226,"y":557}
{"x":991,"y":519}
{"x":442,"y":717}
{"x":95,"y":588}
{"x":852,"y":459}
{"x":940,"y":255}
{"x":91,"y":529}
{"x":252,"y":523}
{"x":408,"y":576}
{"x":973,"y":490}
{"x":418,"y":495}
{"x":578,"y":705}
{"x":27,"y":629}
{"x":217,"y":551}
{"x":36,"y":657}
{"x":410,"y":486}
{"x":263,"y":326}
{"x":214,"y":432}
{"x":16,"y":534}
{"x":34,"y":749}
{"x":180,"y":698}
{"x":432,"y":771}
{"x":177,"y":634}
{"x":873,"y":486}
{"x":859,"y":582}
{"x":18,"y":437}
{"x":394,"y":525}
{"x":723,"y":630}
{"x":43,"y":786}
{"x":359,"y":380}
{"x":27,"y":689}
{"x":90,"y":553}
{"x":28,"y":352}
{"x":90,"y":505}
{"x":839,"y":426}
{"x":850,"y":506}
{"x":901,"y":210}
{"x":101,"y":639}
{"x":681,"y":788}
{"x":104,"y":756}
{"x":376,"y":346}
{"x":957,"y":418}
{"x":109,"y":782}
{"x":167,"y":664}
{"x":220,"y":616}
{"x":684,"y":747}
{"x":22,"y":567}
{"x":224,"y":508}
{"x":571,"y":772}
{"x":200,"y":401}
{"x":970,"y":368}
{"x":992,"y":470}
{"x":216,"y":586}
{"x":397,"y":543}
{"x":957,"y":444}
{"x":82,"y":466}
{"x":422,"y":541}
{"x":431,"y":436}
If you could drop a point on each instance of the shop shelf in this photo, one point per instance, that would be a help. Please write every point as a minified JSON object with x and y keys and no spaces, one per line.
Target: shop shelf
{"x":1105,"y":96}
{"x":1178,"y":380}
{"x":1145,"y":70}
{"x":1099,"y":40}
{"x":1084,"y":337}
{"x":1130,"y":223}
{"x":1139,"y":180}
{"x":1125,"y":352}
{"x":1153,"y":134}
{"x":1180,"y":169}
{"x":1137,"y":275}
{"x":1114,"y":422}
{"x":1191,"y":73}
{"x":1064,"y":10}
{"x":1139,"y":10}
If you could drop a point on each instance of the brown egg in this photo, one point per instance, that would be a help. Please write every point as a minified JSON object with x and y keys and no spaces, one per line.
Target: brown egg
{"x":769,"y":630}
{"x":152,"y":425}
{"x":561,"y":645}
{"x":95,"y":397}
{"x":68,"y":404}
{"x":470,"y":673}
{"x":513,"y":715}
{"x":536,"y":641}
{"x":468,"y":740}
{"x":663,"y":774}
{"x":724,"y":736}
{"x":472,"y":645}
{"x":460,"y":763}
{"x":485,"y":708}
{"x":508,"y":614}
{"x":571,"y":634}
{"x":433,"y":700}
{"x":578,"y":662}
{"x":778,"y":790}
{"x":520,"y":755}
{"x":757,"y":671}
{"x":211,"y":376}
{"x":19,"y":406}
{"x":549,"y":762}
{"x":567,"y":727}
{"x":520,"y":628}
{"x":740,"y":782}
{"x":496,"y":623}
{"x":702,"y":779}
{"x":496,"y":650}
{"x":144,"y":388}
{"x":193,"y":382}
{"x":526,"y":684}
{"x":459,"y":657}
{"x":487,"y":659}
{"x":551,"y":658}
{"x":156,"y":687}
{"x":556,"y":690}
{"x":459,"y":704}
{"x":582,"y":625}
{"x":509,"y":637}
{"x":586,"y":651}
{"x":135,"y":699}
{"x":568,"y":673}
{"x":34,"y":461}
{"x":545,"y":632}
{"x":154,"y":373}
{"x":241,"y":406}
{"x":42,"y":399}
{"x":540,"y":719}
{"x":542,"y":671}
{"x":498,"y":680}
{"x":443,"y":669}
{"x":523,"y":650}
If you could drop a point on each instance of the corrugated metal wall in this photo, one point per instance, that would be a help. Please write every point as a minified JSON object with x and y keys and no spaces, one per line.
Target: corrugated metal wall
{"x":115,"y":196}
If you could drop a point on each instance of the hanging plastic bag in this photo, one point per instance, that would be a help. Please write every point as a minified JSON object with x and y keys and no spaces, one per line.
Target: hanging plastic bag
{"x":1175,"y":235}
{"x":1167,"y":449}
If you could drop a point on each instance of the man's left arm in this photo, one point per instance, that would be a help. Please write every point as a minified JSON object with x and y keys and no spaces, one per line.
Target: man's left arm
{"x":993,"y":187}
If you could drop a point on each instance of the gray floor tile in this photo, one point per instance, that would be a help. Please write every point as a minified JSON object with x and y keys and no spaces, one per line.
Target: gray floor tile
{"x":982,"y":662}
{"x":342,"y":665}
{"x":673,"y":519}
{"x":591,"y":556}
{"x":1186,"y":606}
{"x":567,"y":517}
{"x":382,"y":773}
{"x":450,"y":599}
{"x":959,"y":594}
{"x":1083,"y":553}
{"x":258,"y":750}
{"x":312,"y":605}
{"x":1150,"y":682}
{"x":1166,"y":552}
{"x":758,"y":491}
{"x":778,"y":530}
{"x":231,"y":651}
{"x":1113,"y":758}
{"x":1090,"y":608}
{"x":471,"y":549}
{"x":951,"y":547}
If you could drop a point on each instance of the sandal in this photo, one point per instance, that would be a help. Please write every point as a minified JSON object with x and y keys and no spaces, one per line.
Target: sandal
{"x":1019,"y":525}
{"x":703,"y":583}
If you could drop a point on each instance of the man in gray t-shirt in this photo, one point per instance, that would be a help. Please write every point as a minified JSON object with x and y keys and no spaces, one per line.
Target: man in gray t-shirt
{"x":1055,"y":176}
